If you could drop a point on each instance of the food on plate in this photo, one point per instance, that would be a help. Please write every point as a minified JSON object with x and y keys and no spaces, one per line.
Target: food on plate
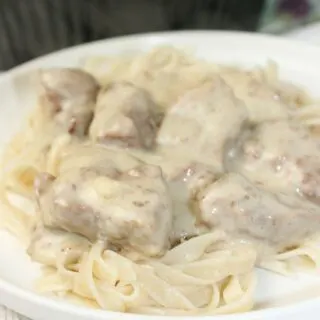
{"x":156,"y":183}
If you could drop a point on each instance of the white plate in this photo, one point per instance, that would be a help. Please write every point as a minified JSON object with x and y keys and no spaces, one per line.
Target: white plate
{"x":276,"y":297}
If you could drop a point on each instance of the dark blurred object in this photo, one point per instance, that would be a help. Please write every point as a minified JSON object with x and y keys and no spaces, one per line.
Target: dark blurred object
{"x":29,"y":28}
{"x":298,"y":8}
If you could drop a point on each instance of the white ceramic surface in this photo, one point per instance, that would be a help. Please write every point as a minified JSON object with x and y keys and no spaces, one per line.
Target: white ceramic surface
{"x":277,"y":297}
{"x":309,"y":33}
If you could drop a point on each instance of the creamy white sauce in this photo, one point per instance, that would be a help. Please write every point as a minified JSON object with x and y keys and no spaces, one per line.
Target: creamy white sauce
{"x":224,"y":159}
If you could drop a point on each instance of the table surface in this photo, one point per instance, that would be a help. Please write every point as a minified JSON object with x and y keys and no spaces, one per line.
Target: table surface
{"x":310,"y":34}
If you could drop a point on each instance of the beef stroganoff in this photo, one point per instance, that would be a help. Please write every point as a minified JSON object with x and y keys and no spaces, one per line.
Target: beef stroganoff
{"x":156,"y":183}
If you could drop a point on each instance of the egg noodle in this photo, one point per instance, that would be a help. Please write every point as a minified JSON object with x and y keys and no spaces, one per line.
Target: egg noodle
{"x":199,"y":276}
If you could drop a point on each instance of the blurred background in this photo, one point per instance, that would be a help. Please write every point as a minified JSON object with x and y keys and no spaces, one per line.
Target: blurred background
{"x":30,"y":28}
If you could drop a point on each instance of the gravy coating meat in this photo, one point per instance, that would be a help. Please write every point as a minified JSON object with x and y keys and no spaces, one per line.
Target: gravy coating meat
{"x":204,"y":122}
{"x":185,"y":178}
{"x":179,"y":168}
{"x":189,"y":179}
{"x":244,"y":211}
{"x":282,"y":156}
{"x":130,"y":209}
{"x":69,"y":97}
{"x":126,"y":116}
{"x":226,"y":156}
